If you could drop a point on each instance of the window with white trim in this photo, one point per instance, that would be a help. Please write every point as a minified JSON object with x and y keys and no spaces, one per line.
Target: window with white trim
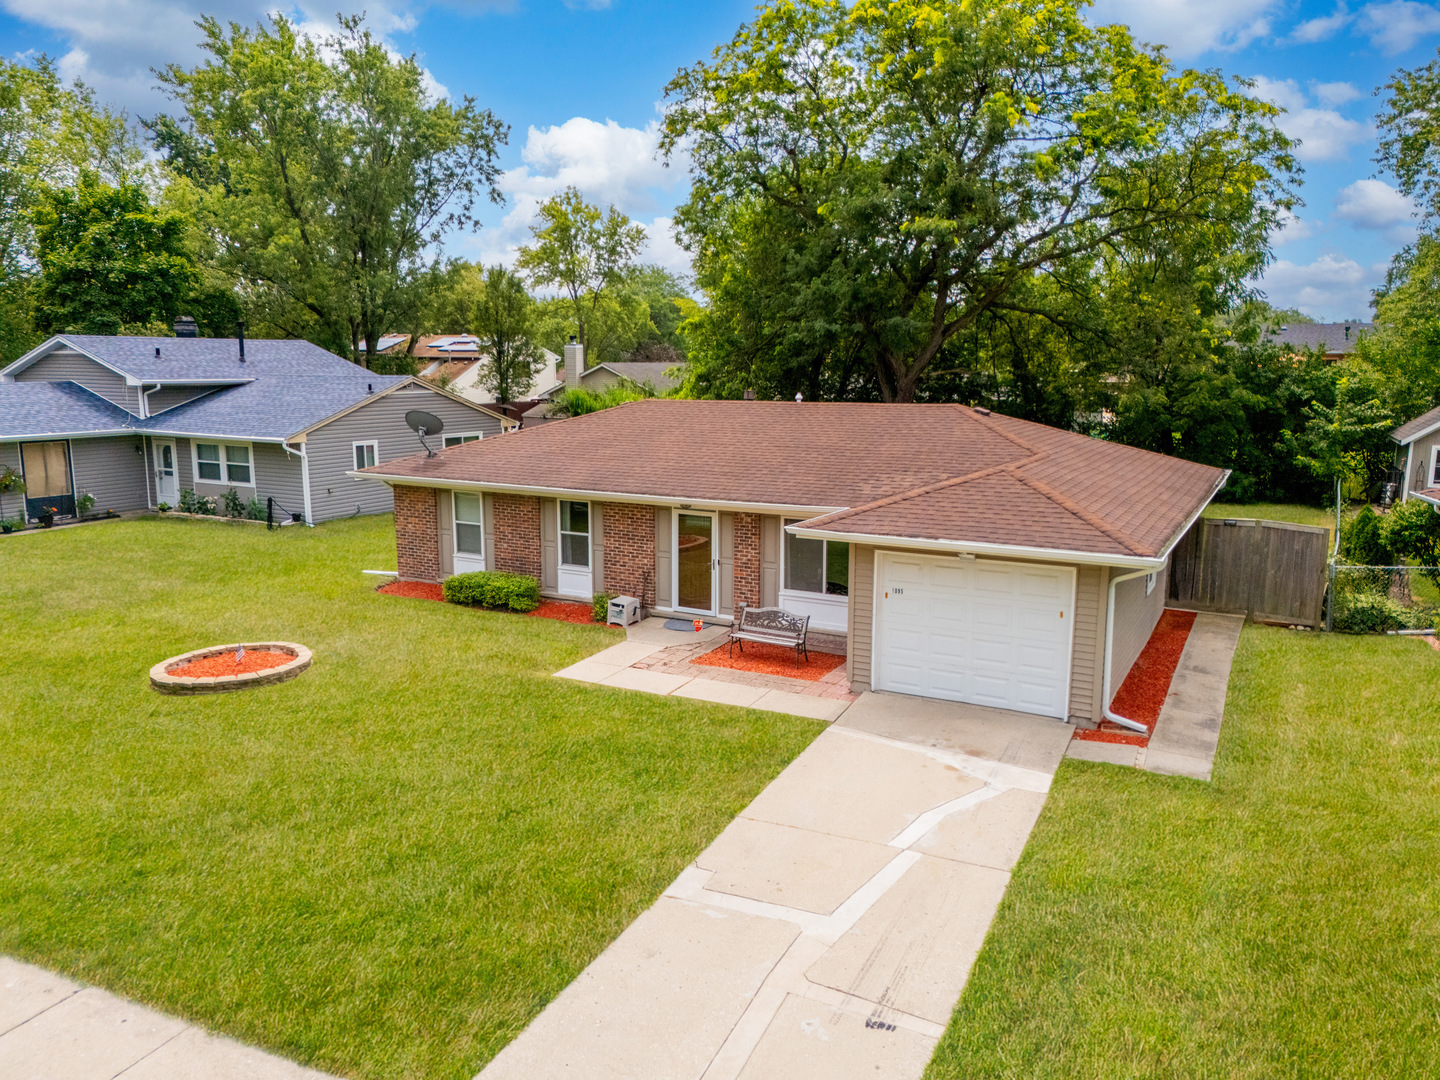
{"x":223,"y":463}
{"x":1434,"y":467}
{"x":1149,"y":584}
{"x":574,"y":533}
{"x":457,"y":440}
{"x":816,"y":566}
{"x":366,"y":454}
{"x":469,"y":524}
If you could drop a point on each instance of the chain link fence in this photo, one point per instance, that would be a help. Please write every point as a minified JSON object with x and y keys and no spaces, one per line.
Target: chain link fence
{"x":1382,"y":599}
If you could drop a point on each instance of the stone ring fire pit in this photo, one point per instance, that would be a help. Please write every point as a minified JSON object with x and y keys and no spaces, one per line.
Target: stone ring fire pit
{"x":216,"y":670}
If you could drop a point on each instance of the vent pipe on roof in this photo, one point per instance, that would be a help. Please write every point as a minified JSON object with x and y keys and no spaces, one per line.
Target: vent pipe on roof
{"x":799,"y":397}
{"x":157,"y":352}
{"x":240,"y":332}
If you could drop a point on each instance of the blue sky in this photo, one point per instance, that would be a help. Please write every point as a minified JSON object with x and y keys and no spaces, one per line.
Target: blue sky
{"x":580,"y":84}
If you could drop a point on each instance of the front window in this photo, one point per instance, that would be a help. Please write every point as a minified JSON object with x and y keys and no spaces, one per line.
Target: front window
{"x":816,"y":566}
{"x":457,"y":440}
{"x":221,"y":463}
{"x":207,"y":462}
{"x":574,"y":533}
{"x":469,"y":525}
{"x":365,"y":454}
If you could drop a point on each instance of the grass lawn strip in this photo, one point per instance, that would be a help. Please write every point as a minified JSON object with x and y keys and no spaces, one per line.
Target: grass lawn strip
{"x":1278,"y":922}
{"x":383,"y":869}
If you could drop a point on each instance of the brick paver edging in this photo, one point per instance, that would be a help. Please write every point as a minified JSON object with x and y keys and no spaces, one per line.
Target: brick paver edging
{"x":163,"y":681}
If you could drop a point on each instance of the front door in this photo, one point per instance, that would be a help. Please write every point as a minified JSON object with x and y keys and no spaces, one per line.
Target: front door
{"x":696,"y":567}
{"x":48,"y":486}
{"x":167,"y":483}
{"x":573,"y":578}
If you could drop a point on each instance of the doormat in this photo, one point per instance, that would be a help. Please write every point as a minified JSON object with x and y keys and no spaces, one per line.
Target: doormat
{"x":685,"y":624}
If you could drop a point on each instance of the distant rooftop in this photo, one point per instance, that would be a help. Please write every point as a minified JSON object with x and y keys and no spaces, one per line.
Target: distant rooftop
{"x":1330,"y":337}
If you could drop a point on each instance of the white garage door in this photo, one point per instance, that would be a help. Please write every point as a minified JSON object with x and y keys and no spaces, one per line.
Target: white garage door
{"x":978,"y":630}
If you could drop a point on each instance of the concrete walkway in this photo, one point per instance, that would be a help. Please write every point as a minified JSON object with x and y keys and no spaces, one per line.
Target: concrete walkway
{"x":829,"y":930}
{"x":1188,"y":730}
{"x":55,"y":1029}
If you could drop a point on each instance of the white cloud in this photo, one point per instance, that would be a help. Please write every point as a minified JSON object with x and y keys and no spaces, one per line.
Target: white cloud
{"x":1190,"y":27}
{"x":1324,"y":134}
{"x":1323,"y":28}
{"x":610,"y":165}
{"x":1292,"y":228}
{"x":1374,"y":204}
{"x":1398,"y":25}
{"x":113,"y":44}
{"x":1336,"y":93}
{"x":1330,"y":287}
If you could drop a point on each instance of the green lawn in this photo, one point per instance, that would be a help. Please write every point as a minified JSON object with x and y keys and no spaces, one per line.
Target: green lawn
{"x":1280,"y":922}
{"x":383,"y":868}
{"x":1294,"y":513}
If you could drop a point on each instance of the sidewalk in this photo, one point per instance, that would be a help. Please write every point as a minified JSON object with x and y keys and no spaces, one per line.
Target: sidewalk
{"x":55,"y":1029}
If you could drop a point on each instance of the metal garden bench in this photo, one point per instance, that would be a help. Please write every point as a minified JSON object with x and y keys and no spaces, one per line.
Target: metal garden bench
{"x":771,"y":626}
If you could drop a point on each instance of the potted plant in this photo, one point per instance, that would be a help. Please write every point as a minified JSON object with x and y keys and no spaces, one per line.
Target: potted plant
{"x":9,"y":525}
{"x":10,"y":480}
{"x":163,"y":507}
{"x":83,"y":504}
{"x":46,"y":517}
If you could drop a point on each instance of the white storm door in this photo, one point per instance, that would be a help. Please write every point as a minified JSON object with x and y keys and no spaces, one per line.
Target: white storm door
{"x":697,"y":570}
{"x":167,"y":482}
{"x":468,"y":532}
{"x":982,"y":631}
{"x":573,"y":575}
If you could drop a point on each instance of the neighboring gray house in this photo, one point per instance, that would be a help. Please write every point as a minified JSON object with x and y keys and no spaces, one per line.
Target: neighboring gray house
{"x":1334,"y":340}
{"x":133,"y":421}
{"x":661,"y":378}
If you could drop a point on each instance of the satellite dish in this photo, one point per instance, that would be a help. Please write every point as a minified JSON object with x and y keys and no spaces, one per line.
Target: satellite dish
{"x":424,"y":423}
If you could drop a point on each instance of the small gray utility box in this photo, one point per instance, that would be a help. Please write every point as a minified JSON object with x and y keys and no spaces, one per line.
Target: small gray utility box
{"x":623,"y":610}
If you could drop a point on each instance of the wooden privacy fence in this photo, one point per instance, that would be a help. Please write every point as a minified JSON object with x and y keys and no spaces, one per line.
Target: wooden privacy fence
{"x":1268,"y":571}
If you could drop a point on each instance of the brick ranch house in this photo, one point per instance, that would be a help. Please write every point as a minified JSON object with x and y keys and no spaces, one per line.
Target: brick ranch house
{"x":964,"y":555}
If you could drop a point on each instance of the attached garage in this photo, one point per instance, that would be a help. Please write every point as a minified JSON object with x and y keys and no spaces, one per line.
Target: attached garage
{"x":984,"y":631}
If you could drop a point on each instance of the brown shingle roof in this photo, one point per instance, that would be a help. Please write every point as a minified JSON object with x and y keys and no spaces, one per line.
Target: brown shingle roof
{"x":942,"y":472}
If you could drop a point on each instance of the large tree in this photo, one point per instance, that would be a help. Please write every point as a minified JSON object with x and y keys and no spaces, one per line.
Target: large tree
{"x":503,"y":319}
{"x":109,"y":260}
{"x":586,"y":253}
{"x":872,"y":182}
{"x":333,"y":174}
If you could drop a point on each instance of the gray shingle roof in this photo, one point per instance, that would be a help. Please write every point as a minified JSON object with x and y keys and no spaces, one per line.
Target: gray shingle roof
{"x":208,"y":358}
{"x":643,"y":372}
{"x":29,"y":409}
{"x":1422,"y":423}
{"x":271,"y":408}
{"x":1331,"y":337}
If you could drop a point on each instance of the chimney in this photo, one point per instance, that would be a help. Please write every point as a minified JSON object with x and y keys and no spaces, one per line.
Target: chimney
{"x":1347,"y":331}
{"x":240,"y":331}
{"x":185,"y":327}
{"x":574,"y":364}
{"x":749,"y":394}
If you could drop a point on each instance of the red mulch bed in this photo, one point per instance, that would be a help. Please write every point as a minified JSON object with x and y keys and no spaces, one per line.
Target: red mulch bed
{"x":416,"y":590}
{"x":772,"y":660}
{"x":212,"y":667}
{"x":1144,"y":689}
{"x":565,"y":612}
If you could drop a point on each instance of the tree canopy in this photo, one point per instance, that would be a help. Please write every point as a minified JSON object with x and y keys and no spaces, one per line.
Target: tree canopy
{"x":871,"y":182}
{"x":504,"y":319}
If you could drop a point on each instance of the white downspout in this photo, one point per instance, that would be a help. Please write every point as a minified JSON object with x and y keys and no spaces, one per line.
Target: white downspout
{"x":145,"y":399}
{"x":1409,"y":461}
{"x":305,"y":485}
{"x":147,"y":447}
{"x":1105,"y":711}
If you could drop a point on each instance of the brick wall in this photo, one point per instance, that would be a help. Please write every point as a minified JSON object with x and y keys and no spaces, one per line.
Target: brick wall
{"x":517,"y":534}
{"x":630,"y":551}
{"x":747,"y":560}
{"x":417,"y":534}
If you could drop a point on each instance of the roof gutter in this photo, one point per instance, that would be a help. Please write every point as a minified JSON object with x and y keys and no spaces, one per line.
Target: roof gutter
{"x":1142,"y":563}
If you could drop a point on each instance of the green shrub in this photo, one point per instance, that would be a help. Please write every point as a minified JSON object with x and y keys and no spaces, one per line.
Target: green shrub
{"x":600,"y":606}
{"x":255,"y":510}
{"x":233,"y":504}
{"x":1368,"y":613}
{"x":191,"y":503}
{"x":494,"y":589}
{"x":1362,"y":543}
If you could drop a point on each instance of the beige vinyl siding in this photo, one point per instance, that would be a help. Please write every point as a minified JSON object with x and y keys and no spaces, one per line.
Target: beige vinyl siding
{"x":331,"y":448}
{"x":66,"y":364}
{"x":770,"y":533}
{"x":278,"y":474}
{"x":110,"y":470}
{"x":1089,"y":643}
{"x":597,"y":547}
{"x":860,"y":631}
{"x":13,"y":504}
{"x":184,"y":470}
{"x":1135,"y":617}
{"x":1418,"y":477}
{"x":446,"y":518}
{"x":167,"y":397}
{"x":549,"y":544}
{"x":725,"y":551}
{"x":664,"y":556}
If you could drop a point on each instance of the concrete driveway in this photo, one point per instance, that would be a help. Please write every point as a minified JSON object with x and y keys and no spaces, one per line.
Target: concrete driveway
{"x":829,"y":930}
